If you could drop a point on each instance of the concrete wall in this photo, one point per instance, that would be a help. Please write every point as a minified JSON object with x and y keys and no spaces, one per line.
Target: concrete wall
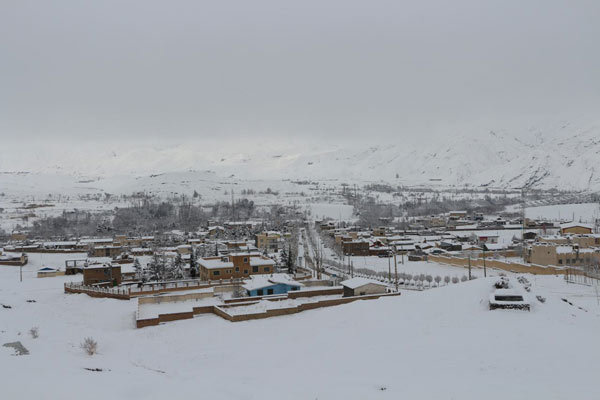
{"x":222,"y":310}
{"x":506,"y":266}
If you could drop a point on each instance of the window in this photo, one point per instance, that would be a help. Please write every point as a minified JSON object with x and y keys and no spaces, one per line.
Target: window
{"x":245,"y":271}
{"x":216,"y":273}
{"x":245,"y":260}
{"x":259,"y":292}
{"x":255,"y":268}
{"x":237,"y":269}
{"x":267,"y":269}
{"x":560,"y":261}
{"x":269,"y":291}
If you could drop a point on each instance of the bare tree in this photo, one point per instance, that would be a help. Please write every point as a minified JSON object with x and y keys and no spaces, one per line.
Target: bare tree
{"x":429,"y":279}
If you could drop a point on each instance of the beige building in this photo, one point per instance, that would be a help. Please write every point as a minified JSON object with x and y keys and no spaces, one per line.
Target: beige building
{"x":240,"y":265}
{"x":562,"y":255}
{"x":575,"y":228}
{"x":268,"y":240}
{"x":362,"y":287}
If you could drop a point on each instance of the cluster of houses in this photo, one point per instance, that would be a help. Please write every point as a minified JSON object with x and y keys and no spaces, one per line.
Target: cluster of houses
{"x":569,"y":244}
{"x":575,"y":246}
{"x":384,"y":241}
{"x":112,"y":260}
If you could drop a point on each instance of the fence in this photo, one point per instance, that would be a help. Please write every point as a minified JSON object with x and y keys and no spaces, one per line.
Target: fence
{"x":498,"y":264}
{"x":125,"y":293}
{"x":588,"y":278}
{"x":96,"y":291}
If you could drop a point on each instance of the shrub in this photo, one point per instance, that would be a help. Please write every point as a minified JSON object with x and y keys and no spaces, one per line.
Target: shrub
{"x":90,"y":346}
{"x":34,"y":332}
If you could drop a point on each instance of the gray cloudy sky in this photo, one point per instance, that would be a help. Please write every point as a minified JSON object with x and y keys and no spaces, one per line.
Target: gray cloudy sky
{"x":345,"y":69}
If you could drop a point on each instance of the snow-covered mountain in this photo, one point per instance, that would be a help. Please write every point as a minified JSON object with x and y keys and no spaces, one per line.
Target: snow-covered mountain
{"x":565,"y":156}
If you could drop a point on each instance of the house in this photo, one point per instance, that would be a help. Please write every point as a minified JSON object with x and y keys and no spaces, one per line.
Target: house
{"x":562,"y":255}
{"x":273,"y":284}
{"x":216,"y":231}
{"x":102,"y":274}
{"x":362,"y":286}
{"x":575,"y":228}
{"x":269,"y":241}
{"x":105,"y":251}
{"x":240,"y":265}
{"x":380,"y":231}
{"x":380,"y":251}
{"x":456,"y":215}
{"x":18,"y":236}
{"x":485,"y":238}
{"x":529,"y":235}
{"x":450,"y":245}
{"x":356,"y":248}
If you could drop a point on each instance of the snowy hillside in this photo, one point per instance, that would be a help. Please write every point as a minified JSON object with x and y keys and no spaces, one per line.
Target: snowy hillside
{"x":442,"y":343}
{"x":563,"y":155}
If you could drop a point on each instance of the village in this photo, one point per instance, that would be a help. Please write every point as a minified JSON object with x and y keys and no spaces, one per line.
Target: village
{"x":241,"y":270}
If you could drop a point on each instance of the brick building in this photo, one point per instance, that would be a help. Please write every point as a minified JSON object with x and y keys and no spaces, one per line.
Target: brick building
{"x":239,"y":265}
{"x":103,"y":274}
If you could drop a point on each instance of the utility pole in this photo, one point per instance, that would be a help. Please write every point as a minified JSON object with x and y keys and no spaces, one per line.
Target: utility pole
{"x":484,"y":270}
{"x":523,"y":223}
{"x":395,"y":269}
{"x":389,"y":268}
{"x":232,"y":207}
{"x":469,"y":266}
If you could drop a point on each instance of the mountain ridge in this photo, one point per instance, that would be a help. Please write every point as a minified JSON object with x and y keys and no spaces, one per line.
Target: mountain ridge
{"x":564,"y":156}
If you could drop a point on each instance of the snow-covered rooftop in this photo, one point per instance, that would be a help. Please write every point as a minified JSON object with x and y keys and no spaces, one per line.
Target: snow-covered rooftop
{"x":357,"y":282}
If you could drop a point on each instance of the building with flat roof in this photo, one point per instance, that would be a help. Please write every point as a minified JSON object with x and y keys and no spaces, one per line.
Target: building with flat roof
{"x":239,"y":265}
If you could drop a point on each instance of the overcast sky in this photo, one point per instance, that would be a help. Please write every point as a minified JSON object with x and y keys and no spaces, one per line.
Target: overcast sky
{"x":281,"y":71}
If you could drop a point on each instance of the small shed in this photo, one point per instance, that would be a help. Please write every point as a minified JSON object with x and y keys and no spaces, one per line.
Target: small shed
{"x":362,"y":286}
{"x":104,"y":274}
{"x":274,"y":284}
{"x":46,"y":272}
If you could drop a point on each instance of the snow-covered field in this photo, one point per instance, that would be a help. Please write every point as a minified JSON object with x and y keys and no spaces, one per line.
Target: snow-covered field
{"x":441,"y":343}
{"x":337,"y":211}
{"x":584,"y":212}
{"x":412,"y":267}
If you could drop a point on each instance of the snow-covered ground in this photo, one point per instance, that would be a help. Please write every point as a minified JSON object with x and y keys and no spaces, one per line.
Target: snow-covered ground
{"x":584,"y":212}
{"x":441,"y":343}
{"x":413,"y":267}
{"x":337,"y":211}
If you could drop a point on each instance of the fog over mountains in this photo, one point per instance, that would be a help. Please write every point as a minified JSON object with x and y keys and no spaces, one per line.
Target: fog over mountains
{"x":562,"y":155}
